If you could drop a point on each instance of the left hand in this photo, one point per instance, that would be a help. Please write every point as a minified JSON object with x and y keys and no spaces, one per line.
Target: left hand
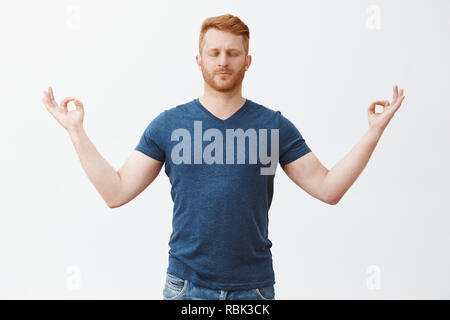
{"x":379,"y":121}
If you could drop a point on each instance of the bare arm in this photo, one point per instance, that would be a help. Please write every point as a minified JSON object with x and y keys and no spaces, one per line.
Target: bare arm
{"x":104,"y":178}
{"x":330,"y":186}
{"x":326,"y":185}
{"x":137,"y":173}
{"x":115,"y":187}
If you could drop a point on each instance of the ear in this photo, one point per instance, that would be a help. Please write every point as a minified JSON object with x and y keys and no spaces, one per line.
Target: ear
{"x":248,"y":62}
{"x":198,"y":59}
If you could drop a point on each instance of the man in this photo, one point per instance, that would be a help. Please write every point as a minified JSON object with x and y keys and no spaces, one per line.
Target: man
{"x":222,"y":189}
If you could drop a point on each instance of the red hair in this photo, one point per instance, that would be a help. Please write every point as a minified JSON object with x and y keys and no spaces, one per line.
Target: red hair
{"x":228,"y":23}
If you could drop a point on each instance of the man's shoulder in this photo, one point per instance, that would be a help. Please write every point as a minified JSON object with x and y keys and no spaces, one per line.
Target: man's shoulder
{"x":265,"y":112}
{"x":179,"y":109}
{"x":264,"y":108}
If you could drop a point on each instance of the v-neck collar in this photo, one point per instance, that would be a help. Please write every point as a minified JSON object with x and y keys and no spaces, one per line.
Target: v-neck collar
{"x":233,"y":116}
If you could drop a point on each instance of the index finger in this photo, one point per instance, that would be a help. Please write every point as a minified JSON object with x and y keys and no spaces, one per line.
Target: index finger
{"x":65,"y":101}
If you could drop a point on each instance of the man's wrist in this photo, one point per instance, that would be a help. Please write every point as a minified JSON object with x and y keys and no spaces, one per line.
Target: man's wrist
{"x":75,"y":132}
{"x":375,"y":133}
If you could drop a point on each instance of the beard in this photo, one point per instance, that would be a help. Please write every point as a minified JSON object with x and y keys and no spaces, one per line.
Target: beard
{"x":223,"y":83}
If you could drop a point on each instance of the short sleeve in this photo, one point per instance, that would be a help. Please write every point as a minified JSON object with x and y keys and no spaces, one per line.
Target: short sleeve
{"x":151,"y":142}
{"x":292,"y":144}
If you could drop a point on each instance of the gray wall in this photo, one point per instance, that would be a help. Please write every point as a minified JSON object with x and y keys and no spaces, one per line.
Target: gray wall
{"x":320,"y":62}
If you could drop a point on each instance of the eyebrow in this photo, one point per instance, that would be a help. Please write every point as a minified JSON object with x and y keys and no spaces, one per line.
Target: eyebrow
{"x":231,"y":49}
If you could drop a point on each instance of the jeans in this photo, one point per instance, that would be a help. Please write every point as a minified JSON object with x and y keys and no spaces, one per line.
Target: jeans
{"x":180,"y":289}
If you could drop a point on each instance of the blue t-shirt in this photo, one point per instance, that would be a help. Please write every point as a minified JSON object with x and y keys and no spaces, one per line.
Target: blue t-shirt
{"x":221,"y":194}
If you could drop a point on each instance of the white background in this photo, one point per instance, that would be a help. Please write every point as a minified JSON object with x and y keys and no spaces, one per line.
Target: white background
{"x":320,"y":62}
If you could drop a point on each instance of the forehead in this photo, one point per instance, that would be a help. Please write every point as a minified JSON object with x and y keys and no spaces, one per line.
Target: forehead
{"x":217,"y":39}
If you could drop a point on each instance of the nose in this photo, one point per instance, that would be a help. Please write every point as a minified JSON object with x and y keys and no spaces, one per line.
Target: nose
{"x":223,"y":62}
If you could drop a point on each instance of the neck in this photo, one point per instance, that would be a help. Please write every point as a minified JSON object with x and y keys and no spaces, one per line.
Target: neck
{"x":222,"y":104}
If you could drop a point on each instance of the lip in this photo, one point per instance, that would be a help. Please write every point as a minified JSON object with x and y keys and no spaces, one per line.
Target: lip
{"x":222,"y":74}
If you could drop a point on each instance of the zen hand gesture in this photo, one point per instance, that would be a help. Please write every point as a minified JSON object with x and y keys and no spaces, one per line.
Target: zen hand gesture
{"x":70,"y":120}
{"x":379,"y":121}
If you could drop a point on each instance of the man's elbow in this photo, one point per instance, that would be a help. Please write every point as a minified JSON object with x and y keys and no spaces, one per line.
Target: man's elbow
{"x":113,"y":205}
{"x":332,"y":200}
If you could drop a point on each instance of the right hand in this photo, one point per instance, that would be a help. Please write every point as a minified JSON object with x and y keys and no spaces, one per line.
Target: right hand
{"x":70,"y":120}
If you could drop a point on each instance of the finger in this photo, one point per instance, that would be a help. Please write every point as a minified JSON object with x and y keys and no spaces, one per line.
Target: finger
{"x":387,"y":106}
{"x":48,"y":105}
{"x":399,"y":103}
{"x":45,"y":94}
{"x":383,"y":103}
{"x":395,"y":92}
{"x":52,"y":98}
{"x":49,"y":100}
{"x":78,"y":104}
{"x":399,"y":95}
{"x":65,"y":101}
{"x":46,"y":102}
